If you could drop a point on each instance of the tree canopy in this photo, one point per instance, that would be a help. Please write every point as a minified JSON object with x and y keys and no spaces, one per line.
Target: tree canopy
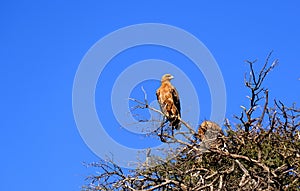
{"x":258,"y":150}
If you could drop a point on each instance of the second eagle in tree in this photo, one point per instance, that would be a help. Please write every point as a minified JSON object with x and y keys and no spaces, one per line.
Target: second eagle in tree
{"x":168,"y":99}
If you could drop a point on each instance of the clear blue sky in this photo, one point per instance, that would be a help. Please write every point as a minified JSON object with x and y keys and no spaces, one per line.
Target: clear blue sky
{"x":43,"y":43}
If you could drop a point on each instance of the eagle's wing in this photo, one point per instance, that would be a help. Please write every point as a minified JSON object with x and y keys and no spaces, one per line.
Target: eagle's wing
{"x":176,"y":100}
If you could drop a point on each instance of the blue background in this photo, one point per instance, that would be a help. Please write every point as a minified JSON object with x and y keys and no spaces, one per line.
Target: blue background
{"x":42,"y":44}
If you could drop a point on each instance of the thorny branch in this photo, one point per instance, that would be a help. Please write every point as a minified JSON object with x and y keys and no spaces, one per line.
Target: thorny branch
{"x":145,"y":105}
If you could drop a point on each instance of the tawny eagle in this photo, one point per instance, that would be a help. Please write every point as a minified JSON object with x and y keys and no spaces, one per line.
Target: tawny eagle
{"x":168,"y":99}
{"x":209,"y":130}
{"x":209,"y":133}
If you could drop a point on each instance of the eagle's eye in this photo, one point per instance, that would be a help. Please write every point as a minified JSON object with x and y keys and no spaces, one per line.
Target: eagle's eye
{"x":169,"y":76}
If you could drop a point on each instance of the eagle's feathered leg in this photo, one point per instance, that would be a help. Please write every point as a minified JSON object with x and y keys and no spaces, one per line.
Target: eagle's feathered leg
{"x":161,"y":127}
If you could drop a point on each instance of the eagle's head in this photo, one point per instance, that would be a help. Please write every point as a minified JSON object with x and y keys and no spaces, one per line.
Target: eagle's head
{"x":167,"y":77}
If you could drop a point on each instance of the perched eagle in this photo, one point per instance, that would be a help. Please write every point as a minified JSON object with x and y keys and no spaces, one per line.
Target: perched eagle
{"x":168,"y":99}
{"x":209,"y":132}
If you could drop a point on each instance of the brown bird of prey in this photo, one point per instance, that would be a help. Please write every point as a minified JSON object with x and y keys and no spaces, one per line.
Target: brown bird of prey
{"x":168,"y":99}
{"x":209,"y":132}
